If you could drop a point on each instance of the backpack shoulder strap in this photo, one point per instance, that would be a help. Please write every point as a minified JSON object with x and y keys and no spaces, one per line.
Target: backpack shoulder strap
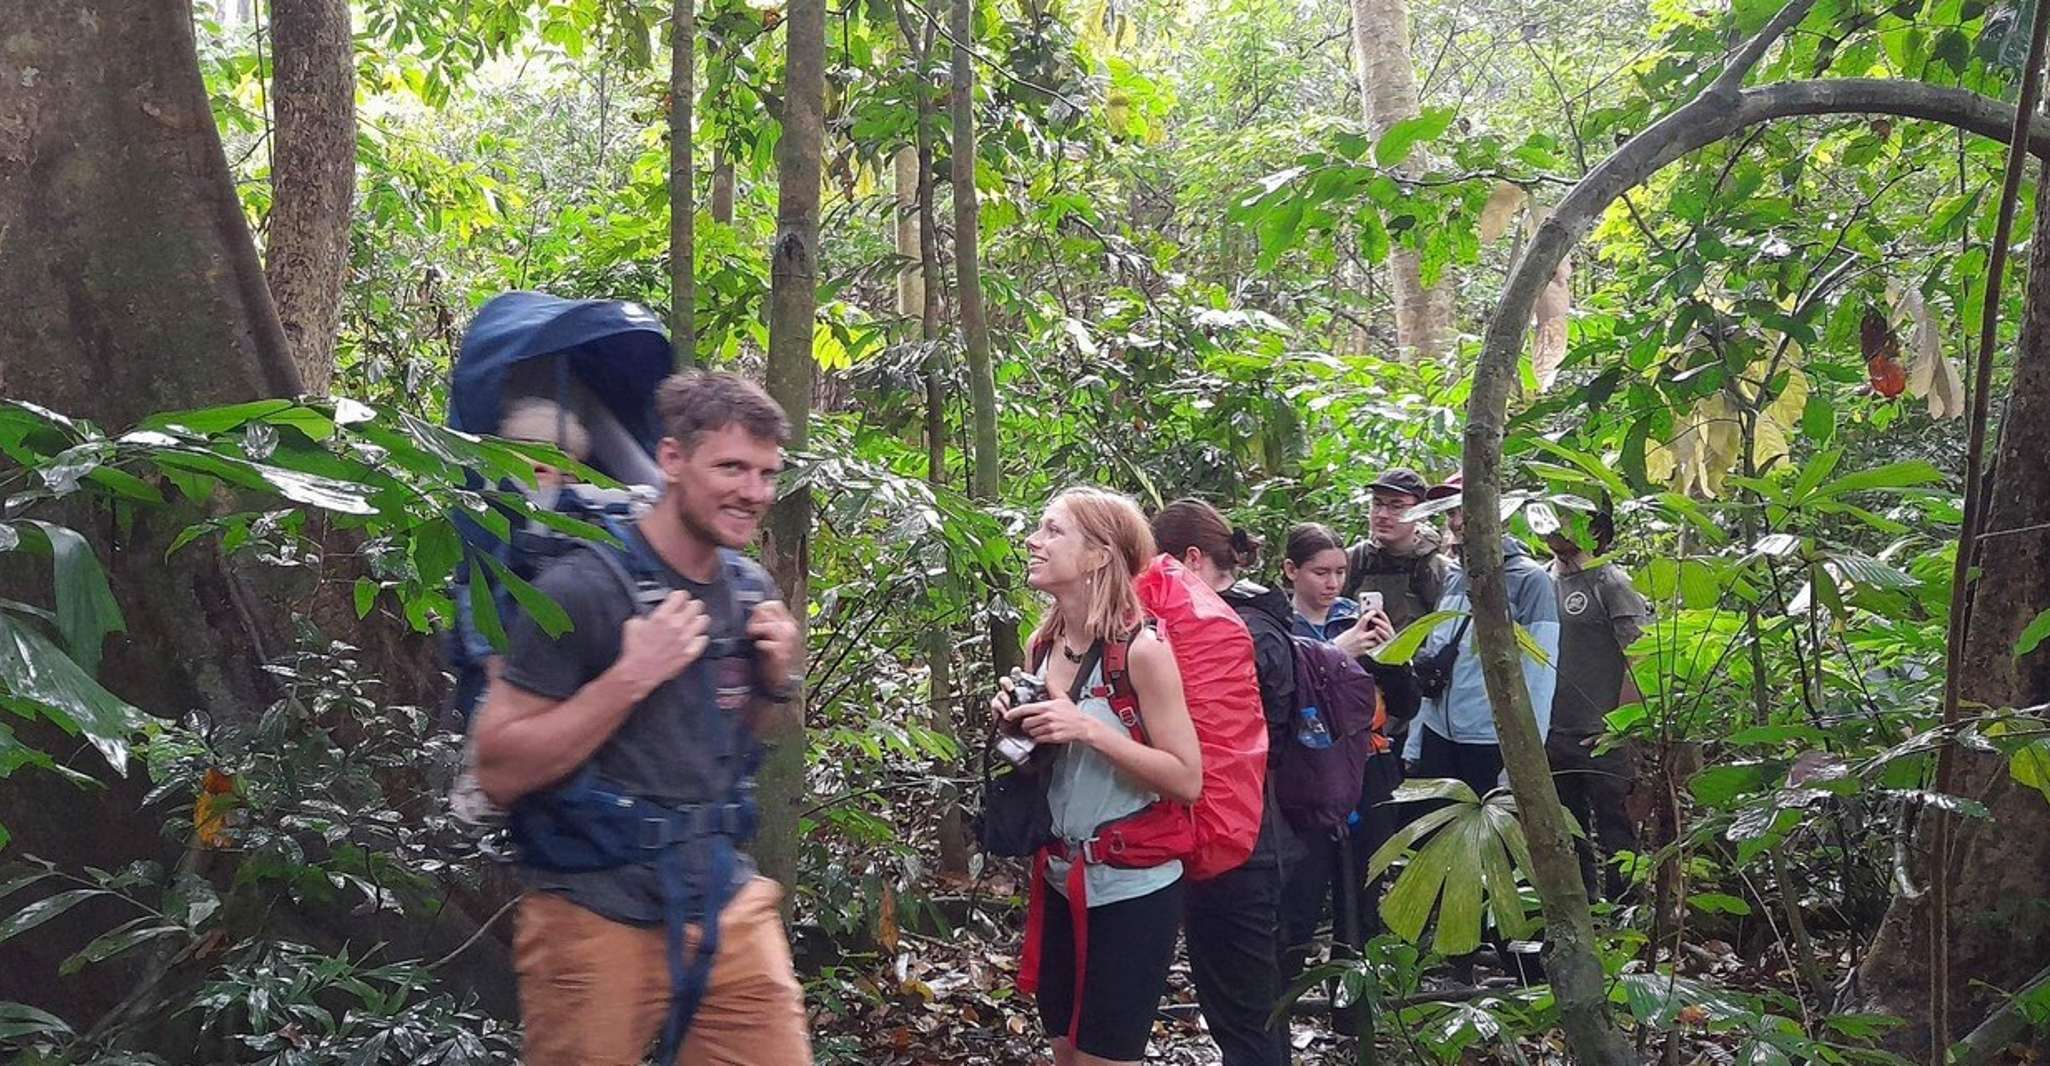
{"x":751,"y":583}
{"x":1124,"y":699}
{"x":643,"y":585}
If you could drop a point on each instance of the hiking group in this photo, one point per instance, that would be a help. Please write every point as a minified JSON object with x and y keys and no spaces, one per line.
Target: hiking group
{"x":1191,"y":756}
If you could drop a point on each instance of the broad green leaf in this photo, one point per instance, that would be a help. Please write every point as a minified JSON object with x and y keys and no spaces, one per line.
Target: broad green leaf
{"x":116,"y":941}
{"x":1407,"y":905}
{"x":436,"y":549}
{"x":1459,"y":908}
{"x":575,"y":527}
{"x":366,"y":596}
{"x":1893,"y":477}
{"x":122,"y":483}
{"x":1690,"y":511}
{"x":1372,"y":232}
{"x":483,"y":605}
{"x":1864,"y":570}
{"x":43,"y":910}
{"x":1719,"y":786}
{"x":1395,"y":146}
{"x":1718,"y":903}
{"x":1657,"y":998}
{"x":1403,"y":839}
{"x":1421,"y":789}
{"x":86,"y":608}
{"x":19,"y":1019}
{"x":545,"y":612}
{"x":1405,"y":645}
{"x":1592,"y":466}
{"x":313,"y":423}
{"x":1812,"y":475}
{"x":2033,"y":635}
{"x":1505,"y":903}
{"x":207,"y":421}
{"x":34,"y":669}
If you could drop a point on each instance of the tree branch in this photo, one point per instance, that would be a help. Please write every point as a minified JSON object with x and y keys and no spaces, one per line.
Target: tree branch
{"x":1732,"y":77}
{"x":1577,"y":976}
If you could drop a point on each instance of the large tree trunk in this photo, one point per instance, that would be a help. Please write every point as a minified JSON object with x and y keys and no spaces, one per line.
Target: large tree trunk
{"x":2002,"y":863}
{"x":119,"y":305}
{"x":986,"y":480}
{"x":313,"y":178}
{"x":1388,"y":95}
{"x":683,"y":203}
{"x":793,"y":306}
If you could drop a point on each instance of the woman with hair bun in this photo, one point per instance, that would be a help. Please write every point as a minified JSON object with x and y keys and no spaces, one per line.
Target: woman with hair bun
{"x":1234,"y":931}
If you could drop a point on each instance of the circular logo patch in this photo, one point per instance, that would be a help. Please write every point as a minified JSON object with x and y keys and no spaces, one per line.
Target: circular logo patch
{"x":1576,"y":602}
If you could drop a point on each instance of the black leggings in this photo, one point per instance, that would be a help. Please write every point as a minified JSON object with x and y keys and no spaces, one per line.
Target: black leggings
{"x":1234,"y":948}
{"x":1131,"y":945}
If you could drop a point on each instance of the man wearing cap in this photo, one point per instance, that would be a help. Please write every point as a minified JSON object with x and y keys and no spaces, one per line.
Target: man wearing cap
{"x":1400,"y":560}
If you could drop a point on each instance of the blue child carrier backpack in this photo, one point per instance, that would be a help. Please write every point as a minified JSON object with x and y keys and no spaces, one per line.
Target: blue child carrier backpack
{"x":602,"y":360}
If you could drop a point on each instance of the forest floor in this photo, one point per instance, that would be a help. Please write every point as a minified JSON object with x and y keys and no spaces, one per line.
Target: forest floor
{"x":937,"y":1000}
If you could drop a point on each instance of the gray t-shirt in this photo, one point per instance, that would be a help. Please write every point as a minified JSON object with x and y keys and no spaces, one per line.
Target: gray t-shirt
{"x":1600,"y":614}
{"x":676,"y":747}
{"x":1088,"y":790}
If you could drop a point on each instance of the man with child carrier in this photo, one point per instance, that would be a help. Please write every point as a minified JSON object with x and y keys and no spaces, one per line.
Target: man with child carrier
{"x":624,"y":749}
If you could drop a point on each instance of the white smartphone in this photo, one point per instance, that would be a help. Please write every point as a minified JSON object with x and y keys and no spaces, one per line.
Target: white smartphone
{"x":1370,"y":604}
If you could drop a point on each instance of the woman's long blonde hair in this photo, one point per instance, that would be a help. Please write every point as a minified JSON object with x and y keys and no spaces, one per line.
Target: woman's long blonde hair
{"x":1113,"y":522}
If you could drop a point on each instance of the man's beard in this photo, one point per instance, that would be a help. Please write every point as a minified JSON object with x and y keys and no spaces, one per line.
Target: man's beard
{"x":699,"y":529}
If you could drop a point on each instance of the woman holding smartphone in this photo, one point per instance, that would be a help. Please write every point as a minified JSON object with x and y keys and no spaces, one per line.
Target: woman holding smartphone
{"x":1335,"y":866}
{"x":1089,"y":547}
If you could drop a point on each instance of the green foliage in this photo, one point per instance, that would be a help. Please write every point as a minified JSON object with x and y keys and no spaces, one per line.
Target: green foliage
{"x":1476,"y":849}
{"x":1183,"y":221}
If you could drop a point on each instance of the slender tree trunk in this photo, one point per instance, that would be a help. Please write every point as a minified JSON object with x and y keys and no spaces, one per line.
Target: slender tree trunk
{"x":986,"y":482}
{"x":2001,"y":862}
{"x":683,"y":204}
{"x":1388,"y":95}
{"x":918,"y":289}
{"x":722,"y":188}
{"x":312,"y":177}
{"x":793,"y":306}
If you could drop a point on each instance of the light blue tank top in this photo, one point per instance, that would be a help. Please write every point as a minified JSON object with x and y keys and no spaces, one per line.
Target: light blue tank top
{"x":1087,"y":790}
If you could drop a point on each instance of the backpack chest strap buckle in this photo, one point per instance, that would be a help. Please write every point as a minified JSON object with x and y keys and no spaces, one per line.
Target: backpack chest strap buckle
{"x":679,"y":825}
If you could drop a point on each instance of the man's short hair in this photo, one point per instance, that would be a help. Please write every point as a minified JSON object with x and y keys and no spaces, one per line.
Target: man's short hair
{"x":697,"y":402}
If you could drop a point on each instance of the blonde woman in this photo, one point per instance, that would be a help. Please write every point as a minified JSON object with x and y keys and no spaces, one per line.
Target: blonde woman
{"x":1089,"y":546}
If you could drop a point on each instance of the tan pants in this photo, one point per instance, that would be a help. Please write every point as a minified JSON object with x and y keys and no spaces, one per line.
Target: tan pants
{"x":594,"y":992}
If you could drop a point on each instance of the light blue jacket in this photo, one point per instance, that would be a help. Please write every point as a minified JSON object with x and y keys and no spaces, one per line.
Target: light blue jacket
{"x":1463,"y":713}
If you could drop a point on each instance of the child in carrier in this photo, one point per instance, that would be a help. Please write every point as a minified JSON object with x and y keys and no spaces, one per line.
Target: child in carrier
{"x":536,"y":421}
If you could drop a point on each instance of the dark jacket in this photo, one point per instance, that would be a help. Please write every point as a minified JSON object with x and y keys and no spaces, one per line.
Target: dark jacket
{"x":1266,"y":613}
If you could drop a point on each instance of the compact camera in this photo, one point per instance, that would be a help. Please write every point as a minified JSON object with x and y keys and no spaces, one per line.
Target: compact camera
{"x":1016,"y":748}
